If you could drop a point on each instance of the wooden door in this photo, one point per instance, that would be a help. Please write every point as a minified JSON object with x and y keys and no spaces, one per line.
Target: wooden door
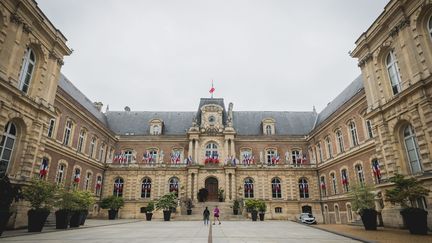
{"x":211,"y":184}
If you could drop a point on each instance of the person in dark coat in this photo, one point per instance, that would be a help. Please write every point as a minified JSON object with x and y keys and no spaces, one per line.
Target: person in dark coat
{"x":206,"y":215}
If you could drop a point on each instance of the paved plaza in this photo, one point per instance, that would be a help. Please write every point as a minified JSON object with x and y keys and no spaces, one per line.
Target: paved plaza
{"x":187,"y":231}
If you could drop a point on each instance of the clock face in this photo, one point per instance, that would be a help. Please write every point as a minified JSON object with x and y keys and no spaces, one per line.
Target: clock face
{"x":211,"y":119}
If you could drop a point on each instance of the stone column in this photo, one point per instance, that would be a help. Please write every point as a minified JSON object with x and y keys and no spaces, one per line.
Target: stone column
{"x":189,"y":186}
{"x":227,"y":189}
{"x":232,"y":148}
{"x":196,"y":148}
{"x":190,"y":150}
{"x":226,"y":149}
{"x":234,"y":186}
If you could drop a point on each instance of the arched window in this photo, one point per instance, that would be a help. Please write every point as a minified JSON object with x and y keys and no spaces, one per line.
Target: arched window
{"x":412,"y":149}
{"x":248,"y":188}
{"x":174,"y":185}
{"x":276,"y":188}
{"x":349,"y":213}
{"x":319,"y":152}
{"x":92,"y":147}
{"x":340,"y":142}
{"x":323,"y":186}
{"x":334,"y":182}
{"x":76,"y":178}
{"x":360,"y":174}
{"x":268,"y":130}
{"x":211,"y":151}
{"x":43,"y":170}
{"x":98,"y":186}
{"x":6,"y":146}
{"x":345,"y":182}
{"x":81,"y":139}
{"x":27,"y":68}
{"x":146,"y":188}
{"x":67,"y":132}
{"x":60,"y":173}
{"x":87,"y":181}
{"x":353,"y":132}
{"x":156,"y":130}
{"x":247,"y":157}
{"x":303,"y":188}
{"x":118,"y":187}
{"x":393,"y":72}
{"x":102,"y":152}
{"x":337,"y":213}
{"x":376,"y":171}
{"x":329,"y":148}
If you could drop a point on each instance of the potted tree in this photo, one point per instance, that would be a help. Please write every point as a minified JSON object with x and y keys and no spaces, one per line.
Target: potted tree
{"x":113,"y":203}
{"x":221,"y":194}
{"x":8,"y":194}
{"x":87,"y":201}
{"x":166,"y":203}
{"x":406,"y":193}
{"x":83,"y":201}
{"x":363,"y":202}
{"x":189,"y":205}
{"x":202,"y":195}
{"x":66,"y":202}
{"x":149,"y":210}
{"x":262,"y":207}
{"x":40,"y":194}
{"x":236,"y":207}
{"x":251,"y":206}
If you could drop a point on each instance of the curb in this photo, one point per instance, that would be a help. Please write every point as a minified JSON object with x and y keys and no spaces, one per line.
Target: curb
{"x":54,"y":230}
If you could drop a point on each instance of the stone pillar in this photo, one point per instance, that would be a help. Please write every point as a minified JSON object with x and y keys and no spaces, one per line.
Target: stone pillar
{"x":234,"y":186}
{"x":227,"y":188}
{"x":196,"y":149}
{"x":190,"y":150}
{"x":232,"y":148}
{"x":226,"y":149}
{"x":189,"y":186}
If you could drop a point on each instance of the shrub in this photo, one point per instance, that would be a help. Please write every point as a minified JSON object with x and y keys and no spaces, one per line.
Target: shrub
{"x":40,"y":194}
{"x":362,"y":198}
{"x":112,"y":202}
{"x":406,"y":191}
{"x":166,"y":202}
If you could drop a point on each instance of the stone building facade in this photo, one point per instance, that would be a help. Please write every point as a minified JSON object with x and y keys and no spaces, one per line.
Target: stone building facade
{"x":295,"y":161}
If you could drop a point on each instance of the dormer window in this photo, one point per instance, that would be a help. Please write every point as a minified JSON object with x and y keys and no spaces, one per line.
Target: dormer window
{"x":268,"y":126}
{"x":156,"y":126}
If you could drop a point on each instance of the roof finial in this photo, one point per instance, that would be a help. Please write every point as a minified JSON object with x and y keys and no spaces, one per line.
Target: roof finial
{"x":313,"y":109}
{"x":107,"y":109}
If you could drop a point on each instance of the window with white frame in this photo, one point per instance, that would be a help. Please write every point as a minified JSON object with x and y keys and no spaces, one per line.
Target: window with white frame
{"x":98,"y":186}
{"x":295,"y":156}
{"x":334,"y":182}
{"x":146,"y":188}
{"x":174,"y":185}
{"x":319,"y":152}
{"x":268,"y":130}
{"x":68,"y":132}
{"x":51,"y":127}
{"x":248,"y":188}
{"x":276,"y":188}
{"x":353,"y":132}
{"x":340,"y":141}
{"x":60,"y":173}
{"x":156,"y":130}
{"x":369,"y":128}
{"x":118,"y":187}
{"x":87,"y":181}
{"x":27,"y":68}
{"x":360,"y":174}
{"x":393,"y":72}
{"x":303,"y":188}
{"x":211,"y":151}
{"x":92,"y":147}
{"x":345,"y":182}
{"x":412,"y":149}
{"x":81,"y":139}
{"x":101,"y":152}
{"x":270,"y":156}
{"x":7,"y":146}
{"x":329,"y":148}
{"x":129,"y":155}
{"x":246,"y":157}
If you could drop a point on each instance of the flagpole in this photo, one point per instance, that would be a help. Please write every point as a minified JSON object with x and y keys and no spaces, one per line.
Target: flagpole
{"x":212,"y":88}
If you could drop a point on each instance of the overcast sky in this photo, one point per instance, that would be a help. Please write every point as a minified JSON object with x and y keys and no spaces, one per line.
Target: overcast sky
{"x":163,"y":54}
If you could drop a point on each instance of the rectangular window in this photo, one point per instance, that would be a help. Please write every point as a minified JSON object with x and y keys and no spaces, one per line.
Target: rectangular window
{"x":51,"y":128}
{"x":369,"y":129}
{"x":81,"y":141}
{"x":320,"y":153}
{"x":67,"y":133}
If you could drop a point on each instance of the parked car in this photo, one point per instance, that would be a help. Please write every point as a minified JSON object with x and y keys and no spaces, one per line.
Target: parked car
{"x":307,"y":218}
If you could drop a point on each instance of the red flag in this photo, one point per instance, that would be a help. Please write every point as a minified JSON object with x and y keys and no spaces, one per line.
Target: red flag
{"x":212,"y":90}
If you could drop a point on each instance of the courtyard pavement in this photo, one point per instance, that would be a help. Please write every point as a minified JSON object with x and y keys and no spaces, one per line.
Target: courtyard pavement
{"x":186,"y":231}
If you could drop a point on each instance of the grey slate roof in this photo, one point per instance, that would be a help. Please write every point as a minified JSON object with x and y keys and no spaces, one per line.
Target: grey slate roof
{"x":349,"y":92}
{"x":287,"y":123}
{"x":137,"y":122}
{"x":76,"y":94}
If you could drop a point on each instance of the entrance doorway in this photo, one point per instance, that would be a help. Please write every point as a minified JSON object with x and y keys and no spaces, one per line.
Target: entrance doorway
{"x":211,"y":184}
{"x":307,"y":209}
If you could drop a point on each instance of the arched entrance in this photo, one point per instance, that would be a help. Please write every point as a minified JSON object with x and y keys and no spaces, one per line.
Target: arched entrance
{"x":211,"y":184}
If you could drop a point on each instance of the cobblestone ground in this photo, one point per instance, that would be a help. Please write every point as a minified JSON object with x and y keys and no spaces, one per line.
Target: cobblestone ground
{"x":186,"y":231}
{"x":382,"y":235}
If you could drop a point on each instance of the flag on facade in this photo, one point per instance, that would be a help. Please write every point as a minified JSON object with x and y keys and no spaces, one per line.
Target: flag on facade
{"x":323,"y":185}
{"x":376,"y":169}
{"x":43,"y":168}
{"x":77,"y":177}
{"x":98,"y":184}
{"x":344,"y":179}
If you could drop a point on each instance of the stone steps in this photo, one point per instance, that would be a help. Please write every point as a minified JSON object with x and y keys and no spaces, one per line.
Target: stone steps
{"x":226,"y":212}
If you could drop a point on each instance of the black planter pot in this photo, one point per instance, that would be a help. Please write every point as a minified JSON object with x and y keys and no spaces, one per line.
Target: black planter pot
{"x":62,"y":218}
{"x":220,"y":199}
{"x":84,"y":215}
{"x":75,"y":219}
{"x":369,"y":218}
{"x":4,"y":218}
{"x":235,"y":211}
{"x":189,"y":212}
{"x":415,"y":220}
{"x":37,"y":219}
{"x":261,"y":216}
{"x":149,"y":216}
{"x":167,"y":215}
{"x":112,"y":214}
{"x":254,"y":215}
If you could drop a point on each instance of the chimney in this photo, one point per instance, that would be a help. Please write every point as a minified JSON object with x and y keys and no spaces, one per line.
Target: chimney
{"x":127,"y":108}
{"x":98,"y":105}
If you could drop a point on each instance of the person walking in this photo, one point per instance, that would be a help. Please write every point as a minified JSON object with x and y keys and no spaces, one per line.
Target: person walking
{"x":216,"y":213}
{"x":206,"y":215}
